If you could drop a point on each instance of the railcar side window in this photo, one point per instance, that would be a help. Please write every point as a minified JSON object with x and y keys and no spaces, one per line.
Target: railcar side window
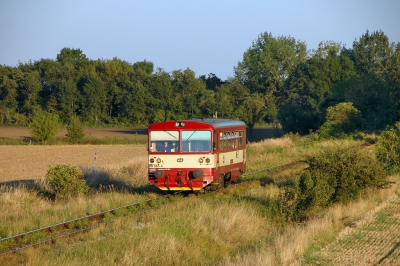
{"x":231,"y":140}
{"x":196,"y":141}
{"x":164,"y":141}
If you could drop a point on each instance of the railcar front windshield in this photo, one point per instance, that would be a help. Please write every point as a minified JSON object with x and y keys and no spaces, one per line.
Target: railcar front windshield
{"x":196,"y":141}
{"x":164,"y":141}
{"x":186,"y":141}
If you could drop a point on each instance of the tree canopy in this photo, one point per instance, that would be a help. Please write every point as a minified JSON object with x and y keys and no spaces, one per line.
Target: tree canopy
{"x":277,"y":81}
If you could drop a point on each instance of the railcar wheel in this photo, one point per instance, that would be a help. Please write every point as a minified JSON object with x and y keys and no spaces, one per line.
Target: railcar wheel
{"x":227,"y":179}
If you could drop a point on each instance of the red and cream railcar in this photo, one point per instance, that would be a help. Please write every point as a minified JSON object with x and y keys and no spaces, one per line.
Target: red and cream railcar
{"x":196,"y":154}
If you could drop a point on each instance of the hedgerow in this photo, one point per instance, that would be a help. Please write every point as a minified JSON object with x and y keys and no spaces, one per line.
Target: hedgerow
{"x":388,"y":148}
{"x":335,"y":176}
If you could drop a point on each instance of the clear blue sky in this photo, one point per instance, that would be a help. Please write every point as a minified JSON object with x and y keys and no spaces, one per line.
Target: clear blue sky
{"x":208,"y":36}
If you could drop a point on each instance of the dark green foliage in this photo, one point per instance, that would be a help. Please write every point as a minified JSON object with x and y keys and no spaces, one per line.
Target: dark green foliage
{"x":370,"y":52}
{"x":388,"y":147}
{"x":67,"y":55}
{"x":75,"y":130}
{"x":335,"y":176}
{"x":94,"y":98}
{"x":147,"y":67}
{"x":330,"y":130}
{"x":283,"y":208}
{"x":212,"y":81}
{"x":294,"y":118}
{"x":254,"y":109}
{"x":371,"y":95}
{"x":8,"y":95}
{"x":66,"y":181}
{"x":44,"y":125}
{"x":277,"y":77}
{"x":338,"y":176}
{"x":267,"y":64}
{"x":341,"y":119}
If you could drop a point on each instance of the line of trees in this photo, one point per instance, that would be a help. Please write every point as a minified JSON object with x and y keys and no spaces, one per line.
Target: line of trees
{"x":278,"y":81}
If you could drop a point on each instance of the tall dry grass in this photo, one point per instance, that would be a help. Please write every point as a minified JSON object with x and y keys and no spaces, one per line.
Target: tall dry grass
{"x":211,"y":230}
{"x":271,"y":152}
{"x":298,"y":244}
{"x":25,"y":209}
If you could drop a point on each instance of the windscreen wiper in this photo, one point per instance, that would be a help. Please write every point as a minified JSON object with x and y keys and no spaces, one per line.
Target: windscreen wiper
{"x":191,"y":135}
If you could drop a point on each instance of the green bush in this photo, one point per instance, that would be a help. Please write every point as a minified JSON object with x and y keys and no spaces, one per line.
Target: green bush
{"x":44,"y":125}
{"x":75,"y":130}
{"x":341,"y":119}
{"x":388,"y":148}
{"x":330,"y":130}
{"x":66,"y":181}
{"x":335,"y":176}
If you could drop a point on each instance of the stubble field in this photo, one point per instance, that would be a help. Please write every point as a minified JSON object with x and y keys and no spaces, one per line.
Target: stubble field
{"x":31,"y":162}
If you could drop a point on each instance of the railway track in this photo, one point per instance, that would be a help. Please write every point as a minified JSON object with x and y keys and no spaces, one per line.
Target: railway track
{"x":51,"y":233}
{"x":68,"y":228}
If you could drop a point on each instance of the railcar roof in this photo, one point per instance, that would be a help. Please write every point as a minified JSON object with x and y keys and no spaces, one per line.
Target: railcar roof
{"x":219,"y":123}
{"x":214,"y":122}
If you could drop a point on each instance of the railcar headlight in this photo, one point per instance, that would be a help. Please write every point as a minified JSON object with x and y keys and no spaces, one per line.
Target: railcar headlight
{"x":197,"y":173}
{"x":159,"y":173}
{"x":201,"y":160}
{"x":208,"y":160}
{"x":158,"y":160}
{"x":152,"y":160}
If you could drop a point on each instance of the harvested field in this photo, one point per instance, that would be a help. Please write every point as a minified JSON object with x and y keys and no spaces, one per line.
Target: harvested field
{"x":32,"y":162}
{"x":371,"y":241}
{"x":28,"y":163}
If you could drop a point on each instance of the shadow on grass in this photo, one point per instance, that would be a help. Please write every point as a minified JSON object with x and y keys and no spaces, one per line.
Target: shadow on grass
{"x":98,"y":181}
{"x":102,"y":181}
{"x":30,"y":184}
{"x":35,"y":185}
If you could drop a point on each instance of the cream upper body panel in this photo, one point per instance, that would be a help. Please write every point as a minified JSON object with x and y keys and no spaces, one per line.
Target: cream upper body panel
{"x":232,"y":157}
{"x":182,"y":161}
